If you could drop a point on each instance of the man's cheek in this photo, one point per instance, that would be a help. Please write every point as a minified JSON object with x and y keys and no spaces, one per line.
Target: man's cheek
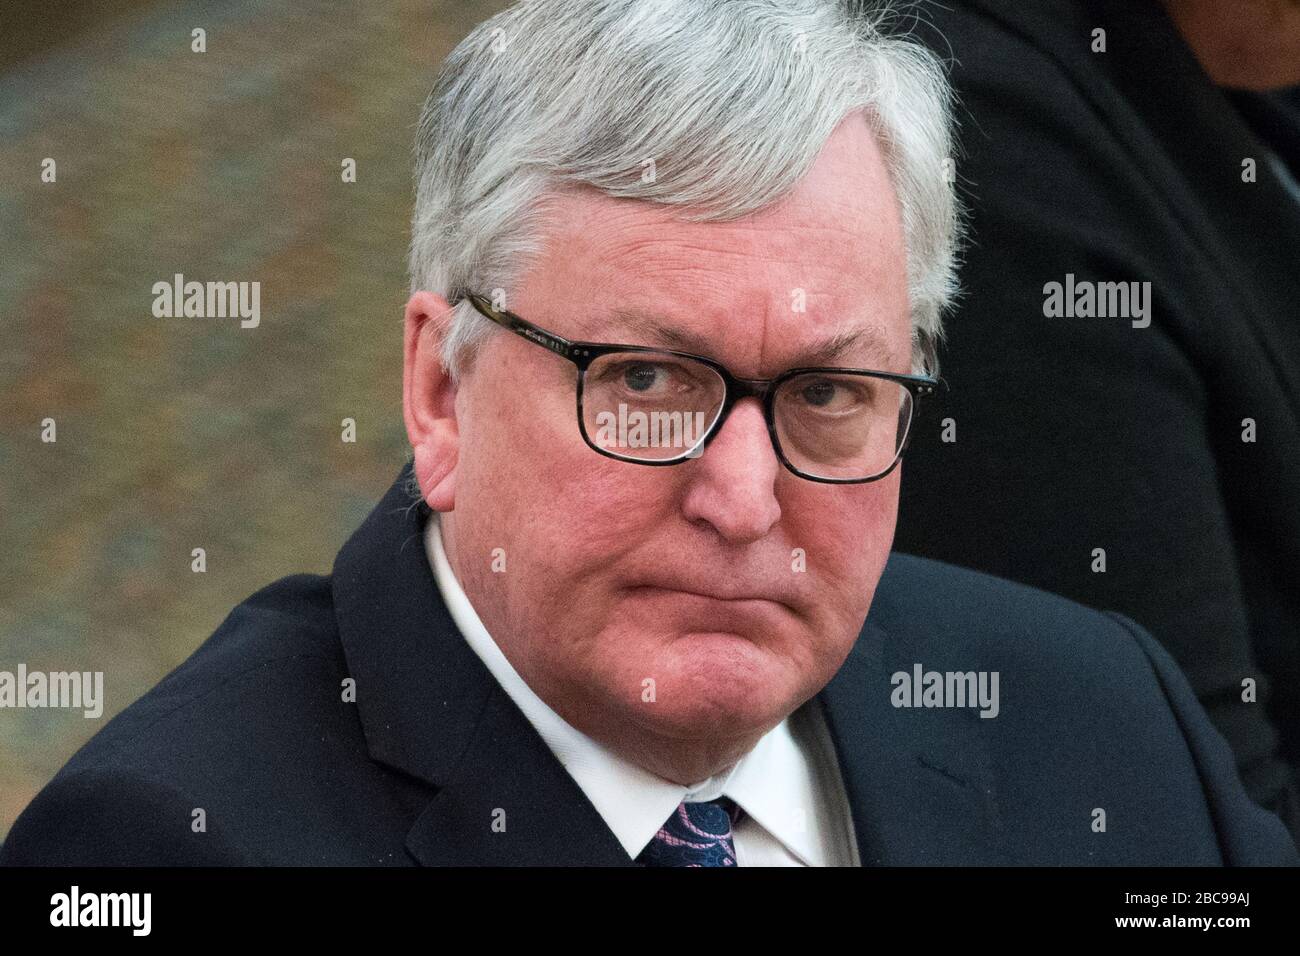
{"x":843,"y":551}
{"x":847,"y":569}
{"x":614,"y":507}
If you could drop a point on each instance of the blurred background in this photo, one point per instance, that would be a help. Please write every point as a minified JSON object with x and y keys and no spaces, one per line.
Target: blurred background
{"x":183,"y":433}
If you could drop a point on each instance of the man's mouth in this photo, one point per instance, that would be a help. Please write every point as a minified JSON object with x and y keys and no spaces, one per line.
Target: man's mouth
{"x":715,"y":610}
{"x":712,"y":595}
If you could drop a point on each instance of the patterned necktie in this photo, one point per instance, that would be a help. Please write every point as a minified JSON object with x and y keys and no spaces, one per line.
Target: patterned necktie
{"x":697,"y":834}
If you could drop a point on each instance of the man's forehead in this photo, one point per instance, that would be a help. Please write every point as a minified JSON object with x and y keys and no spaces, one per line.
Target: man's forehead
{"x":862,"y":343}
{"x":758,"y":313}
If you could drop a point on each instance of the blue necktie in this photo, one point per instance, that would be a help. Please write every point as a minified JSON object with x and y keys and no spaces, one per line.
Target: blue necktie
{"x":697,"y":834}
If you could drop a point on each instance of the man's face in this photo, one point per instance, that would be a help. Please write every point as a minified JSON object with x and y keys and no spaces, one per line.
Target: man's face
{"x":658,"y":607}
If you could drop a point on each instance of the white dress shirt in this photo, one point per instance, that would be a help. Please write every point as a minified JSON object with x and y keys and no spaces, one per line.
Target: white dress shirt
{"x":789,"y":784}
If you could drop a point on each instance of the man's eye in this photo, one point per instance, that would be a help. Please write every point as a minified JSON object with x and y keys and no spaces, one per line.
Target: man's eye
{"x":641,"y":376}
{"x":819,"y":394}
{"x":647,"y":378}
{"x":834,"y":396}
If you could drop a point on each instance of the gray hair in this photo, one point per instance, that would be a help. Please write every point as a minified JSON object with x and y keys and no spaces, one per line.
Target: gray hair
{"x":732,"y":99}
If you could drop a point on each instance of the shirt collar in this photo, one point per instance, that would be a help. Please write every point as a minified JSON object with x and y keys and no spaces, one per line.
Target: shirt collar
{"x":773,"y":783}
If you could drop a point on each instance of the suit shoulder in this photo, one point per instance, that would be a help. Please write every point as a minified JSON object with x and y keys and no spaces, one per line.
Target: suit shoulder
{"x":1071,"y":667}
{"x":925,"y":602}
{"x":275,"y":662}
{"x":255,"y":735}
{"x":942,"y":588}
{"x":110,"y":816}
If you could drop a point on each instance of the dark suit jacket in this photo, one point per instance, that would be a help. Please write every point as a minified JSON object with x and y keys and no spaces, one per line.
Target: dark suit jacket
{"x":254,"y":731}
{"x":1077,"y":433}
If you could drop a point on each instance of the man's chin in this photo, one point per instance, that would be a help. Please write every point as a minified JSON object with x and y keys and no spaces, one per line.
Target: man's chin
{"x":718,"y":684}
{"x":722,"y":660}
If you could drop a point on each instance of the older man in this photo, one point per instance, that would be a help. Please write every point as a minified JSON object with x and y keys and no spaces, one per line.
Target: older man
{"x":677,"y":272}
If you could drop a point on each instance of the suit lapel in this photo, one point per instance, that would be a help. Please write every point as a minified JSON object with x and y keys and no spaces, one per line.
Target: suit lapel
{"x":918,"y":781}
{"x":511,"y":803}
{"x":431,"y":709}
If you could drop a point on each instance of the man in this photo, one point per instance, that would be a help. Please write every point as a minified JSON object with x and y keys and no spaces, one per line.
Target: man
{"x":677,"y":270}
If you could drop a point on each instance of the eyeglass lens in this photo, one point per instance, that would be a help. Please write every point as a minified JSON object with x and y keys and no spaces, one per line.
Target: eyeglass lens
{"x":653,"y":406}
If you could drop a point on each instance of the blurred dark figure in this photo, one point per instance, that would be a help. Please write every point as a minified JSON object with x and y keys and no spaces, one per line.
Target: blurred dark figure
{"x":1152,"y":469}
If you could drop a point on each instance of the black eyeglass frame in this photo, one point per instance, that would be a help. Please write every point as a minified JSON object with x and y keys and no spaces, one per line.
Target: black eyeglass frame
{"x":582,"y":354}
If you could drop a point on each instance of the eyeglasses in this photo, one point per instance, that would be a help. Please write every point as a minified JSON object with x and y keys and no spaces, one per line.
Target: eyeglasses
{"x":657,"y":406}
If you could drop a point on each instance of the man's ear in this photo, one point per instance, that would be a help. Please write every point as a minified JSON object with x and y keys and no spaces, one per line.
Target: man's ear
{"x":429,"y":400}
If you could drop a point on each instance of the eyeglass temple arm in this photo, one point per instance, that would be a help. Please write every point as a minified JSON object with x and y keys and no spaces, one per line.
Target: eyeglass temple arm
{"x":520,"y":326}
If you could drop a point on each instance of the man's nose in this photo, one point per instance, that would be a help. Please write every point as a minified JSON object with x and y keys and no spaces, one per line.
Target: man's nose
{"x":732,"y":486}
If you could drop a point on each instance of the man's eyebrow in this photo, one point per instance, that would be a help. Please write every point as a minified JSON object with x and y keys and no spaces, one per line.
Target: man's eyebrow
{"x":645,"y":329}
